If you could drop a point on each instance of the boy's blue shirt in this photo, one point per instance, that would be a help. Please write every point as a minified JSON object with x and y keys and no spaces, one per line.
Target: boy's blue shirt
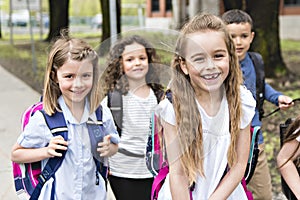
{"x":271,"y":94}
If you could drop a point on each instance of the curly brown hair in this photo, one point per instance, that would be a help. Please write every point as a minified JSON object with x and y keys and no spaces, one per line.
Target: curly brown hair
{"x":113,"y":77}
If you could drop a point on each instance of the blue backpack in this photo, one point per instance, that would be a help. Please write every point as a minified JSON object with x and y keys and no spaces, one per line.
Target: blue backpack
{"x":29,"y":178}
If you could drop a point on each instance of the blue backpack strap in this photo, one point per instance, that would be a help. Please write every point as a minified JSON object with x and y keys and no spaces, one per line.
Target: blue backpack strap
{"x":96,"y":134}
{"x":57,"y":126}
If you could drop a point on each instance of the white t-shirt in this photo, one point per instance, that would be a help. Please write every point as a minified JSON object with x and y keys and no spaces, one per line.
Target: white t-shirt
{"x":135,"y":129}
{"x":216,"y":141}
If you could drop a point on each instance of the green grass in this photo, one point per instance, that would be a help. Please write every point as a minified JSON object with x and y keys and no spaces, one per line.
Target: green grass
{"x":290,"y":45}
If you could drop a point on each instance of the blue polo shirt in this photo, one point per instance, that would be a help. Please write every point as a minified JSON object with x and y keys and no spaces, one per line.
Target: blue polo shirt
{"x":76,"y":177}
{"x":271,"y":94}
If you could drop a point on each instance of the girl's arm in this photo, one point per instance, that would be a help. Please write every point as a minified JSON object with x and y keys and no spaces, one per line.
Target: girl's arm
{"x":178,"y":180}
{"x":234,"y":176}
{"x":21,"y":154}
{"x":289,"y":171}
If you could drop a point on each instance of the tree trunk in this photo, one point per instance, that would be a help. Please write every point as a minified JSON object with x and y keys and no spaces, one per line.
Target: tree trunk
{"x":267,"y":41}
{"x":119,"y":16}
{"x":234,"y":4}
{"x":105,"y":19}
{"x":266,"y":28}
{"x":59,"y":17}
{"x":105,"y":40}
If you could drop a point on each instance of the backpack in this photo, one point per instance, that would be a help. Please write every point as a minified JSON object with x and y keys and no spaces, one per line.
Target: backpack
{"x":260,"y":81}
{"x":29,"y":178}
{"x":156,"y":158}
{"x":115,"y":104}
{"x":260,"y":97}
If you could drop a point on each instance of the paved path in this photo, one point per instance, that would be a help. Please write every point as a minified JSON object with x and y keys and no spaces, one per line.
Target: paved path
{"x":15,"y":97}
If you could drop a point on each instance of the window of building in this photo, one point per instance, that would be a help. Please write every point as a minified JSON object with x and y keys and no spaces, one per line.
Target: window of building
{"x":155,"y":5}
{"x":168,"y":5}
{"x":292,"y":2}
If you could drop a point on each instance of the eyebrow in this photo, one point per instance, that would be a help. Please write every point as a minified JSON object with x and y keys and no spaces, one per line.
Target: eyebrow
{"x":221,"y":50}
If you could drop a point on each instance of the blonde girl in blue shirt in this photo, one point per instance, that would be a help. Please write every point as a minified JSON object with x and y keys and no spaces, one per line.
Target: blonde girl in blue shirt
{"x":71,"y":86}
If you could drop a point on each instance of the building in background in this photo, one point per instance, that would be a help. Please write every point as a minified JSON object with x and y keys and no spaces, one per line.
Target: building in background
{"x":159,"y":14}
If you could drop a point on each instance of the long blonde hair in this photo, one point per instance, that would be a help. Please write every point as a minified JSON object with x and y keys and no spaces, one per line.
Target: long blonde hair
{"x":64,"y":49}
{"x":188,"y":119}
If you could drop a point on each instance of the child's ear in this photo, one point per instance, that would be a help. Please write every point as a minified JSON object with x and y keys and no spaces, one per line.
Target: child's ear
{"x":184,"y":67}
{"x":53,"y":77}
{"x":252,"y":35}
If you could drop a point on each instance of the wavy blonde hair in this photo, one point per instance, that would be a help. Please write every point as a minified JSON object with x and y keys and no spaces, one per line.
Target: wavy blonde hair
{"x":62,"y":50}
{"x":188,"y":120}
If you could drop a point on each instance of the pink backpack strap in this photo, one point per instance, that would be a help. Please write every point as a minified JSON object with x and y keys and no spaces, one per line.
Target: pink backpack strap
{"x":248,"y":192}
{"x":158,"y":181}
{"x":29,"y":112}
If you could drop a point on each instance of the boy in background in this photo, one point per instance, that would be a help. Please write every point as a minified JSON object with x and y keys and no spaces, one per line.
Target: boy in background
{"x":240,"y":25}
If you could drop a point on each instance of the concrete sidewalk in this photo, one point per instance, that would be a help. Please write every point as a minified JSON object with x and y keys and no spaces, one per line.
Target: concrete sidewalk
{"x":16,"y":96}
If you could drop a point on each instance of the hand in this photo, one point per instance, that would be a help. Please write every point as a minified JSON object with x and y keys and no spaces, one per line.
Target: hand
{"x":56,"y":143}
{"x":285,"y":102}
{"x":106,"y":148}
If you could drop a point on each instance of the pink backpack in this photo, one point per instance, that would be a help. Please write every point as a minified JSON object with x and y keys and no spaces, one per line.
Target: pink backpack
{"x":30,"y":170}
{"x":28,"y":177}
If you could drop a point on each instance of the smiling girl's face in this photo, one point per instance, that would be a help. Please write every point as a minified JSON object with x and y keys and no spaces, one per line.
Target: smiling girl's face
{"x":75,"y":79}
{"x":206,"y":60}
{"x":135,"y":62}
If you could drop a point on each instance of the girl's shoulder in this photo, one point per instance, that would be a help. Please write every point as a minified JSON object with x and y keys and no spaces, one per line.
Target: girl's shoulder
{"x":248,"y":106}
{"x":247,"y":97}
{"x":165,"y":111}
{"x":36,"y":133}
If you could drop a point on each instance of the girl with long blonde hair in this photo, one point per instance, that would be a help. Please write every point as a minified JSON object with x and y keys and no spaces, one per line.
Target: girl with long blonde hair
{"x":207,"y":125}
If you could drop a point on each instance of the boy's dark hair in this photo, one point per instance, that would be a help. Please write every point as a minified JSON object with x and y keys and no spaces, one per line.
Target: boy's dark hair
{"x":237,"y":16}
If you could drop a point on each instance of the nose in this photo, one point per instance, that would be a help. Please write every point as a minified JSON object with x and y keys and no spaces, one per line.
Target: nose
{"x":210,"y":64}
{"x":77,"y":82}
{"x":137,"y":61}
{"x":237,"y":40}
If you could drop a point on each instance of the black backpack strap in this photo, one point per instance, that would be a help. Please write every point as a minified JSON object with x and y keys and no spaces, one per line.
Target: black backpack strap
{"x":57,"y":126}
{"x":260,"y":81}
{"x":169,"y":96}
{"x":115,"y":104}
